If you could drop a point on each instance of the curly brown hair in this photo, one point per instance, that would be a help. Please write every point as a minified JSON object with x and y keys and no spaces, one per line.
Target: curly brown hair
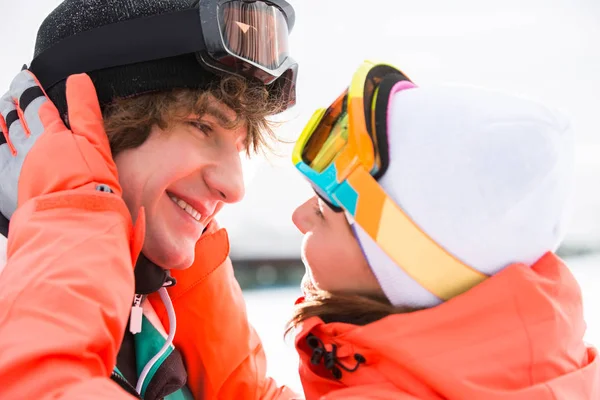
{"x":128,"y":121}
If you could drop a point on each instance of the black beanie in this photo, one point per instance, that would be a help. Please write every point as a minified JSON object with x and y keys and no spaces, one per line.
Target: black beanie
{"x":75,"y":16}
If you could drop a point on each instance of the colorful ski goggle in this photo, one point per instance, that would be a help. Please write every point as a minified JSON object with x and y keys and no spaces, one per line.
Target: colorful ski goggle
{"x":342,"y":152}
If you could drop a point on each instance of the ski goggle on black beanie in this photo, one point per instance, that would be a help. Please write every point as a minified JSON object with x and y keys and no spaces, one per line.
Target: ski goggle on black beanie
{"x":132,"y":47}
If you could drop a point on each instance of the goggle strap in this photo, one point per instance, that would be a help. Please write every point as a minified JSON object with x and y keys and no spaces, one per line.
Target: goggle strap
{"x":381,"y":108}
{"x":121,"y":43}
{"x":334,"y":208}
{"x":406,"y":244}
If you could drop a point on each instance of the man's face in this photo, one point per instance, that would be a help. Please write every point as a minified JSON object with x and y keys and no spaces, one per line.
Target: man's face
{"x":182,"y":176}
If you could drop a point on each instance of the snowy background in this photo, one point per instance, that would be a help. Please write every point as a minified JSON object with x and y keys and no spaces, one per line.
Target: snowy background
{"x":544,"y":49}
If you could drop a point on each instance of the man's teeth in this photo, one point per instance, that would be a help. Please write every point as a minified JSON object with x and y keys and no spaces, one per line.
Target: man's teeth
{"x":187,"y":208}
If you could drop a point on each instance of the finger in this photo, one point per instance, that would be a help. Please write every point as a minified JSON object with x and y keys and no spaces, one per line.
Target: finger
{"x":6,"y":153}
{"x":85,"y":116}
{"x":6,"y":149}
{"x":8,"y":118}
{"x":25,"y":80}
{"x":3,"y":130}
{"x":24,"y":88}
{"x":29,"y":98}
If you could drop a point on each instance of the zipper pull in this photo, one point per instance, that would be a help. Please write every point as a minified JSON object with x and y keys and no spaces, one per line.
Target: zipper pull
{"x":135,"y":318}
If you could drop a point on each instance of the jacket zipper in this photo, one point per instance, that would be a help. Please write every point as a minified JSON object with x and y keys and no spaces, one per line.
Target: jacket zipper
{"x":125,"y":385}
{"x":136,"y":314}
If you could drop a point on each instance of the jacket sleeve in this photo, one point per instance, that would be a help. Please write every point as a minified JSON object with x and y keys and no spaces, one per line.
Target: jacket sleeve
{"x":223,"y":354}
{"x":65,"y":295}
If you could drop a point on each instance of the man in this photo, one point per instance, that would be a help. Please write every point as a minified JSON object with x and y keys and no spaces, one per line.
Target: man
{"x":180,"y":90}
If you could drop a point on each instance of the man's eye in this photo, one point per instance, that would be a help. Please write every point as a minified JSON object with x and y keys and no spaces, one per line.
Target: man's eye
{"x":204,"y":128}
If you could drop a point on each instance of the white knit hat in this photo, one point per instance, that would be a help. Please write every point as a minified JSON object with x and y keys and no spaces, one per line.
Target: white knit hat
{"x":486,"y":175}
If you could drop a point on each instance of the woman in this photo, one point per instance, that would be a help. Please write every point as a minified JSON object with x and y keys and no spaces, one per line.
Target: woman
{"x":438,"y":280}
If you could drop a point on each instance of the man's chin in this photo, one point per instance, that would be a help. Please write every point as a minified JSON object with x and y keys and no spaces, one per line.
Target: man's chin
{"x":182,"y":266}
{"x":180,"y":261}
{"x":170,"y":258}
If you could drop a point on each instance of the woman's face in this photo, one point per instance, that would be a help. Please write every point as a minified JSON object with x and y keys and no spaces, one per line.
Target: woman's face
{"x":333,"y":258}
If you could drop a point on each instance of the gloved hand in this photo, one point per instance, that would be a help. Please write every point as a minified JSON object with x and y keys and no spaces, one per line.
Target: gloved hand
{"x":39,"y":155}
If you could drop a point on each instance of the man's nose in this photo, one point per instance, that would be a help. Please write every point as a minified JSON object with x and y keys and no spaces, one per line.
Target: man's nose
{"x":225,"y":179}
